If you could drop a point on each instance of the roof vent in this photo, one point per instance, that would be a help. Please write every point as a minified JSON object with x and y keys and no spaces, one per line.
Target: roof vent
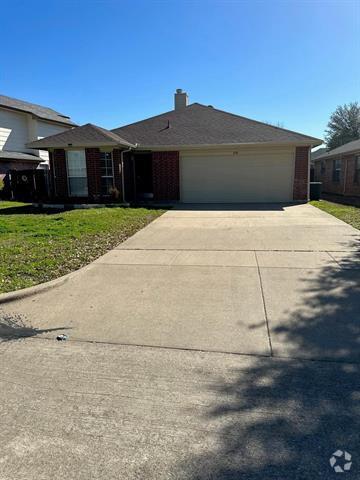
{"x":181,"y":99}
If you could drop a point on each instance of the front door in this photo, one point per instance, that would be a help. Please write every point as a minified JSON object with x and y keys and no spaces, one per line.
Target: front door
{"x":143,"y":176}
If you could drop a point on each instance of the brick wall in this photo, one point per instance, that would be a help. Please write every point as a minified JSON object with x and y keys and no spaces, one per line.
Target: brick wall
{"x":351,"y":187}
{"x":93,"y":172}
{"x":58,"y":158}
{"x":301,"y":175}
{"x":346,"y":186}
{"x":166,"y":176}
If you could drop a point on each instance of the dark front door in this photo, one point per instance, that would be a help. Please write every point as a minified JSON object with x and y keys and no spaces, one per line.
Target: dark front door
{"x":143,"y":176}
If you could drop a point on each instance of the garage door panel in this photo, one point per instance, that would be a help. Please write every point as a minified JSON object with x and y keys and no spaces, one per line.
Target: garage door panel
{"x":252,"y":177}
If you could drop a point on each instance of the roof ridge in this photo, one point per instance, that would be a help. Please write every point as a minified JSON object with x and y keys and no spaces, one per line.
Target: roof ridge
{"x":35,"y":105}
{"x":109,"y":133}
{"x":87,"y":130}
{"x":256,"y":121}
{"x":151,"y":118}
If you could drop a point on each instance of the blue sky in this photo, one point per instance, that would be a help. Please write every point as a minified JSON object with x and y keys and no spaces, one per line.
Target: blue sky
{"x":113,"y":62}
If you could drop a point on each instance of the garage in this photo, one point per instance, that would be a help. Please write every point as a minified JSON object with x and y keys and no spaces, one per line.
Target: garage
{"x":251,"y":175}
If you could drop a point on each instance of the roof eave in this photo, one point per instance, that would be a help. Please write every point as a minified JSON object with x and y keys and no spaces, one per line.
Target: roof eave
{"x":59,"y":122}
{"x":311,"y":143}
{"x":333,"y":155}
{"x":34,"y":146}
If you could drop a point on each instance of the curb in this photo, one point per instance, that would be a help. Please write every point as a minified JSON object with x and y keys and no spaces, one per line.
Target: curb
{"x":28,"y":292}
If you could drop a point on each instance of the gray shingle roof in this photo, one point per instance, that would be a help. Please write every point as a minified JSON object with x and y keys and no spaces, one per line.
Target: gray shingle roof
{"x":37,"y":110}
{"x":204,"y":125}
{"x":317,"y":153}
{"x":85,"y":136}
{"x":347,"y":148}
{"x":4,"y":154}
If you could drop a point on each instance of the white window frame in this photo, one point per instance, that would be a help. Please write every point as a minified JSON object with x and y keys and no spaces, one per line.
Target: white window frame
{"x":107,"y":176}
{"x":69,"y":177}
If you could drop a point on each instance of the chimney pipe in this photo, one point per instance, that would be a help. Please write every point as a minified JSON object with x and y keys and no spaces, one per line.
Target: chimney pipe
{"x":180,"y":99}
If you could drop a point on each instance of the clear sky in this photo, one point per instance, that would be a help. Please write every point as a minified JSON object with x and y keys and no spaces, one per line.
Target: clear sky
{"x":113,"y":62}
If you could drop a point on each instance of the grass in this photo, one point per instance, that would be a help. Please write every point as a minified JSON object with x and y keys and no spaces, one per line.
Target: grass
{"x":39,"y":246}
{"x":348,"y":214}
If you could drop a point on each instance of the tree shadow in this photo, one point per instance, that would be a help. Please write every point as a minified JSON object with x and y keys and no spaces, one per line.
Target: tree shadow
{"x":15,"y":327}
{"x":282,"y":418}
{"x":30,"y":210}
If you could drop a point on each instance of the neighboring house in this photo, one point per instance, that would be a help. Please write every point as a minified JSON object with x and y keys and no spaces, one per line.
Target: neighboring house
{"x":317,"y":153}
{"x":313,"y":156}
{"x":22,"y":122}
{"x":194,"y":153}
{"x":339,"y":170}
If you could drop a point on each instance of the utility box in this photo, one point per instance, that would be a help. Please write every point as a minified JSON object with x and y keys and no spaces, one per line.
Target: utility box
{"x":315,"y":190}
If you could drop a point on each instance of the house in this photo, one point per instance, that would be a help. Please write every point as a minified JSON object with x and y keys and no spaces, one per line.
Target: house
{"x":339,"y":170}
{"x":314,"y":154}
{"x":20,"y":123}
{"x":193,"y":153}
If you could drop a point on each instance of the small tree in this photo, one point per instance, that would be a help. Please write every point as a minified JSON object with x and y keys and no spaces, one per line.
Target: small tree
{"x":343,"y":126}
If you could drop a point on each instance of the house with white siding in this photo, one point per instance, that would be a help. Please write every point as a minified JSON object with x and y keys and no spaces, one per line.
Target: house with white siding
{"x":22,"y":122}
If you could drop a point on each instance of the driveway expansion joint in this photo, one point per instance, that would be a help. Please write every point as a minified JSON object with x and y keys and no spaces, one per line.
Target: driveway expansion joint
{"x":264,"y":306}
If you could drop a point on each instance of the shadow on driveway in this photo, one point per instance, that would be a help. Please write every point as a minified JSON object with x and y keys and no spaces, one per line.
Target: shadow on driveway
{"x":14,"y":327}
{"x":283,"y":418}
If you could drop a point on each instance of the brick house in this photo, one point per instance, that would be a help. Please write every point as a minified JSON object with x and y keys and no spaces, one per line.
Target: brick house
{"x":339,"y":170}
{"x":192,"y":154}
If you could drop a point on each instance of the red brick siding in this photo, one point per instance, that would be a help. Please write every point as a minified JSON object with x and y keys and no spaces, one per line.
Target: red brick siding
{"x":166,"y":176}
{"x":346,"y":186}
{"x":301,"y":175}
{"x":93,"y":172}
{"x":60,"y":173}
{"x":351,"y":187}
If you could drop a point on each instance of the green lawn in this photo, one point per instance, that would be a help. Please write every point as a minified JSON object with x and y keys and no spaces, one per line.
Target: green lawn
{"x":36,"y":247}
{"x":348,"y":214}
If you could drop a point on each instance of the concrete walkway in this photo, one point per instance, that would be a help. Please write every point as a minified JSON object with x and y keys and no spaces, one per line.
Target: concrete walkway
{"x":220,"y":342}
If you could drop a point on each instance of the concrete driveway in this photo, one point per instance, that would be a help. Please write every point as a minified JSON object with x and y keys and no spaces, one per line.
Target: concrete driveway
{"x":227,"y":279}
{"x":217,"y":343}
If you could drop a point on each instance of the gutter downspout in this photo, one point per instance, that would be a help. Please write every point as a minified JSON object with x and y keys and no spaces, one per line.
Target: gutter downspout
{"x":123,"y":171}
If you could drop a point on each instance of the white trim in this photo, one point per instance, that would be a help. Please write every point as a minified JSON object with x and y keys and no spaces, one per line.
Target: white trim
{"x":68,"y":177}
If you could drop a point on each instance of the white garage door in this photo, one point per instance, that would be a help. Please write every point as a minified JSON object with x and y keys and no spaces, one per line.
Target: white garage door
{"x":244,"y":177}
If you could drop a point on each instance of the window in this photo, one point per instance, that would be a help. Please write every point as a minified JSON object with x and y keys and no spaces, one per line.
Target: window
{"x":76,"y":170}
{"x":336,"y":170}
{"x":357,"y":170}
{"x":323,"y":168}
{"x":107,"y":172}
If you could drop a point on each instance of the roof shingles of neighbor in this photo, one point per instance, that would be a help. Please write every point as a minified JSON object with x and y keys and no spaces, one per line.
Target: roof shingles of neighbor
{"x":199,"y":124}
{"x":346,"y":148}
{"x":4,"y":154}
{"x":39,"y":111}
{"x":85,"y":136}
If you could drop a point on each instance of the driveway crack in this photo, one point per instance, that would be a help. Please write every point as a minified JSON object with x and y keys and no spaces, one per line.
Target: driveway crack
{"x":264,"y":305}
